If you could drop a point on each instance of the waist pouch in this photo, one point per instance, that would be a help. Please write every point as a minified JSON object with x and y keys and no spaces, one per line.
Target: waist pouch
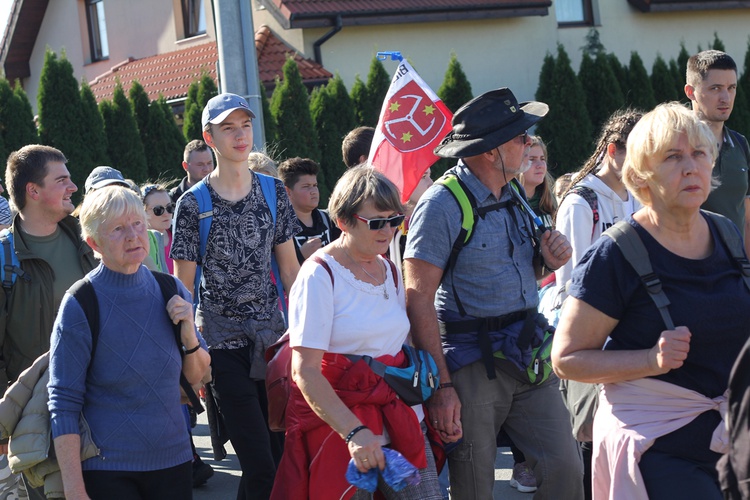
{"x":540,"y":367}
{"x":414,"y":383}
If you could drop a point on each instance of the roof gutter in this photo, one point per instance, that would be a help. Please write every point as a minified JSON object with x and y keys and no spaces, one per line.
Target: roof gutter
{"x":316,"y":46}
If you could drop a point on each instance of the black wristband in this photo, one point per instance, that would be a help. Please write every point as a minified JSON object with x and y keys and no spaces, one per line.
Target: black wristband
{"x":190,"y":351}
{"x":445,"y":385}
{"x":353,"y":432}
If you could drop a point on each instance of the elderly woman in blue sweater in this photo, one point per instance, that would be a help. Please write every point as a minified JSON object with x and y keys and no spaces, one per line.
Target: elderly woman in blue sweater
{"x":128,"y":391}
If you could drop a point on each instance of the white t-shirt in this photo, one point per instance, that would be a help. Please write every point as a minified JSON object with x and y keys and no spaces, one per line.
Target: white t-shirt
{"x":348,"y":317}
{"x":575,"y":220}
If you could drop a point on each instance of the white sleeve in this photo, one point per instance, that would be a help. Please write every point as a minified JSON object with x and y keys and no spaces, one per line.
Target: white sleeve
{"x":311,"y":307}
{"x":575,"y":221}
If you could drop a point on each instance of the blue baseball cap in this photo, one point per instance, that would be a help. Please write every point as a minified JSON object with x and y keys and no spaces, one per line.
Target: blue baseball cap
{"x":219,"y":107}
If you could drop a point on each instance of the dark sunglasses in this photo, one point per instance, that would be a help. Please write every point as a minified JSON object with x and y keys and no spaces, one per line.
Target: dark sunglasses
{"x":159,"y":210}
{"x":377,"y":224}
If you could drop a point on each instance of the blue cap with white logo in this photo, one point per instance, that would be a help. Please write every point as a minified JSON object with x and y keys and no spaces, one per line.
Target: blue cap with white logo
{"x":219,"y":107}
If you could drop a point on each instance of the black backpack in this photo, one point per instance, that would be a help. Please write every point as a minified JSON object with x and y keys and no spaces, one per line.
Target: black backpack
{"x":83,"y":292}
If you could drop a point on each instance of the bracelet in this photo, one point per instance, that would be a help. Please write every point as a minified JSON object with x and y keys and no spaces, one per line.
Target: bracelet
{"x":187,"y":351}
{"x":445,"y":385}
{"x":354,"y":431}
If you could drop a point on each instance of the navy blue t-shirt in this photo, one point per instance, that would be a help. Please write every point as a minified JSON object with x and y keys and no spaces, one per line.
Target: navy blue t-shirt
{"x":707,"y":295}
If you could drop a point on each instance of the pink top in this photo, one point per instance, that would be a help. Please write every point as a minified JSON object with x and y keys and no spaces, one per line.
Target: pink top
{"x":630,"y":417}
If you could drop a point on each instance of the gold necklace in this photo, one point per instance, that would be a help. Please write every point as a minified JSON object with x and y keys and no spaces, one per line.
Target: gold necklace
{"x":385,"y":278}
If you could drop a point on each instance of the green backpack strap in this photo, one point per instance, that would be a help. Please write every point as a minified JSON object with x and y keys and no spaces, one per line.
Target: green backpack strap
{"x":631,"y":246}
{"x":734,"y":243}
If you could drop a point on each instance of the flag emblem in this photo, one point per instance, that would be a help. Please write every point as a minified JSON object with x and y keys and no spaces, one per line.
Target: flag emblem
{"x":411,"y":119}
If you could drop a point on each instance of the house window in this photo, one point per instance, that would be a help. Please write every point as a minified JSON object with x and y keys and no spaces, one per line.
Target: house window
{"x":97,"y":30}
{"x":194,"y":16}
{"x":574,"y":12}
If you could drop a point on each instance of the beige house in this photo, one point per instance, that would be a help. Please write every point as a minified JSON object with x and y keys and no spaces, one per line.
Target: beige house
{"x":498,"y":42}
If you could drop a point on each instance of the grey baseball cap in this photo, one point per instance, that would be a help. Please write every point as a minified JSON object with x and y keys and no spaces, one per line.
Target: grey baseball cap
{"x":219,"y":107}
{"x":104,"y":176}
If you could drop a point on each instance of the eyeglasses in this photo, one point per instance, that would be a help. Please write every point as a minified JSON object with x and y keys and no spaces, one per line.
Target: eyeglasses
{"x":159,"y":210}
{"x":379,"y":223}
{"x":524,"y":137}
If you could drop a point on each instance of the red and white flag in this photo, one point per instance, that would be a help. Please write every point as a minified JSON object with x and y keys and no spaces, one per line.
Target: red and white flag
{"x":412,"y":123}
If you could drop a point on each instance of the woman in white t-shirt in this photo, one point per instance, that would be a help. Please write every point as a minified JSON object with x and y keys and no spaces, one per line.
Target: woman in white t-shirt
{"x":348,"y":299}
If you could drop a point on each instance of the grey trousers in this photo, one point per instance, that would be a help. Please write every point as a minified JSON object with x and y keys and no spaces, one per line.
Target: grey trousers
{"x":535,"y":419}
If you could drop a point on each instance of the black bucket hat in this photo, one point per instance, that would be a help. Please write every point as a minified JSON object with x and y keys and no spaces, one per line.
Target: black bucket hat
{"x":488,"y":121}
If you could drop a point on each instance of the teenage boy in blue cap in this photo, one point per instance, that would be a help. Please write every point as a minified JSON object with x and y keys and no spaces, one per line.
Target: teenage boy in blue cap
{"x":238,"y":313}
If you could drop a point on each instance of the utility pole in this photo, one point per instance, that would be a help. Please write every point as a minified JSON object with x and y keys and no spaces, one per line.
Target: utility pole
{"x":238,"y":65}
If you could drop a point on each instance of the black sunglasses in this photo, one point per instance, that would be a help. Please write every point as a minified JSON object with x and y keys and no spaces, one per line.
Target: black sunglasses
{"x":379,"y":223}
{"x":159,"y":210}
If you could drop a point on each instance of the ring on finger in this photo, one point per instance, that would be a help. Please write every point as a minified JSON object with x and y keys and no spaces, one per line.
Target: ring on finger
{"x":365,"y":460}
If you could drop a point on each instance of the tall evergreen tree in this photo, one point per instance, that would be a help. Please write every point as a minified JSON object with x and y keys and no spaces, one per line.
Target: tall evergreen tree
{"x":124,"y":143}
{"x":290,"y":106}
{"x":567,"y":127}
{"x":191,"y":118}
{"x":333,"y":116}
{"x":456,"y":89}
{"x":17,"y":127}
{"x":594,"y":45}
{"x":173,"y":141}
{"x":621,"y":75}
{"x":665,"y":88}
{"x":744,"y":79}
{"x":679,"y":85}
{"x":60,"y":121}
{"x":139,"y":103}
{"x":378,"y":82}
{"x":206,"y":89}
{"x":97,"y":137}
{"x":603,"y":93}
{"x":717,"y":43}
{"x":546,"y":88}
{"x":641,"y":92}
{"x":739,"y":120}
{"x":360,"y":100}
{"x":269,"y":122}
{"x":682,"y":59}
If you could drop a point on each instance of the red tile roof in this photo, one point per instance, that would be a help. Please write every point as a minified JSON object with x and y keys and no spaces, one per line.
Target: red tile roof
{"x":312,"y":13}
{"x":170,"y":74}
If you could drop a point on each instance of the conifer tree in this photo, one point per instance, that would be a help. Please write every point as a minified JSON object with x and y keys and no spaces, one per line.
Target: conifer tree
{"x":621,"y":75}
{"x":206,"y":90}
{"x":665,"y":88}
{"x":333,"y":116}
{"x":378,"y":82}
{"x":594,"y":45}
{"x":744,"y":79}
{"x":603,"y":93}
{"x":641,"y":92}
{"x":17,"y":127}
{"x":739,"y":120}
{"x":291,"y":109}
{"x":173,"y":141}
{"x":124,"y":143}
{"x":674,"y":70}
{"x":456,"y":89}
{"x":682,"y":59}
{"x":545,"y":89}
{"x":269,"y":122}
{"x":60,"y":121}
{"x":359,"y":99}
{"x":567,"y":127}
{"x":717,"y":43}
{"x":191,"y":118}
{"x":139,"y":102}
{"x":97,"y":137}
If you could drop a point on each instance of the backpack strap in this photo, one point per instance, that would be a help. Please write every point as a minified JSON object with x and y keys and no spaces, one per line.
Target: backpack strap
{"x":734,"y":243}
{"x":10,"y":265}
{"x":632,"y":248}
{"x":205,"y":217}
{"x":268,"y":186}
{"x":83,"y":291}
{"x":469,"y":213}
{"x":589,"y":195}
{"x":168,"y":287}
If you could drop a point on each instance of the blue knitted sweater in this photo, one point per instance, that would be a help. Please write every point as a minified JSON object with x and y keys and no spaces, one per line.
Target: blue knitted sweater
{"x":130,"y":397}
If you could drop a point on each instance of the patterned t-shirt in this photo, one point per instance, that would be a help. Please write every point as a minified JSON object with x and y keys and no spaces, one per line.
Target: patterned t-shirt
{"x":237,"y":264}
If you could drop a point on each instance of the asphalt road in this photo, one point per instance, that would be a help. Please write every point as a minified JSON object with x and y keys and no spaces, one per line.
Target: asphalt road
{"x":223,"y":485}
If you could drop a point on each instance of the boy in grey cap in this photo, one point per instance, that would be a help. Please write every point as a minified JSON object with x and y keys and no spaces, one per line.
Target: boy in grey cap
{"x":238,"y":312}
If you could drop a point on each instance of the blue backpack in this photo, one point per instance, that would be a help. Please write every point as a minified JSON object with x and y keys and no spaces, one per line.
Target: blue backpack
{"x":9,"y":263}
{"x":205,"y":216}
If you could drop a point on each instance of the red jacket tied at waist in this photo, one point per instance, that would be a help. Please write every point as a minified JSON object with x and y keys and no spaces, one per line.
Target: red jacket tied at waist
{"x":315,"y":457}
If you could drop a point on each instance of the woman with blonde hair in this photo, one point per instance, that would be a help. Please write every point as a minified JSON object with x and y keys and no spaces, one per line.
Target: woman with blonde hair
{"x":538,"y":183}
{"x":658,"y":429}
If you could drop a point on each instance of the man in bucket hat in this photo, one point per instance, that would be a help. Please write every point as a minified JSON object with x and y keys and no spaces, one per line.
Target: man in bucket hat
{"x":475,"y":306}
